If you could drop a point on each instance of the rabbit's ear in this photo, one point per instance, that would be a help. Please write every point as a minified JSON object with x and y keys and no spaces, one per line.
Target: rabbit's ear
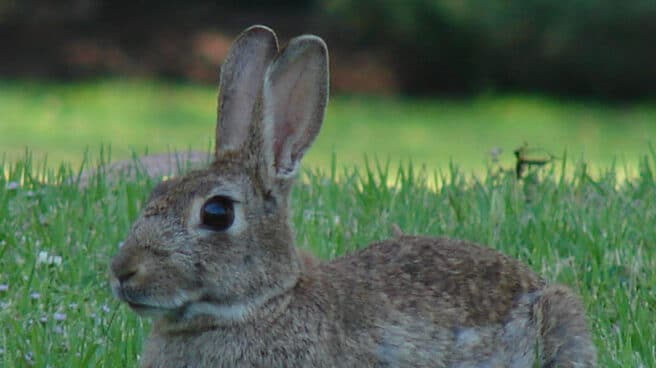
{"x":242,"y":75}
{"x":295,"y":97}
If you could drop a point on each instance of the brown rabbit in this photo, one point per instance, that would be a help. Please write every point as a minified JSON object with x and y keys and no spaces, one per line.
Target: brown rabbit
{"x":212,"y":256}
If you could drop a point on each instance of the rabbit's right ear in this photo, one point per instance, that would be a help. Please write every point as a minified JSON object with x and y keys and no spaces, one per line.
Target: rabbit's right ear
{"x":242,"y":75}
{"x":295,"y":95}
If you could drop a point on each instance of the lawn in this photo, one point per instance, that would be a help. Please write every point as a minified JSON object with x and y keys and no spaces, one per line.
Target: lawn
{"x":61,"y":121}
{"x":595,"y":235}
{"x":592,"y":229}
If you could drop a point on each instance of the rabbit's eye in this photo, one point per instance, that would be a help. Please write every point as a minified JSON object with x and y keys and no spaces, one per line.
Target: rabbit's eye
{"x":217,"y":214}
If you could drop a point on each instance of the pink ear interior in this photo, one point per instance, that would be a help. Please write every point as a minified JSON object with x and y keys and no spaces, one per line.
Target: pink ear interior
{"x":295,"y":97}
{"x":283,"y":130}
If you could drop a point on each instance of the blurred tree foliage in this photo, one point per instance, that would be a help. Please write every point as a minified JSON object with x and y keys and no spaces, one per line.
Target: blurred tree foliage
{"x":30,"y":11}
{"x":601,"y":47}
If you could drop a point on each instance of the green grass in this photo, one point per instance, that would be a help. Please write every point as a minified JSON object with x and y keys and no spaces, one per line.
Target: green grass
{"x":63,"y":120}
{"x":596,"y":235}
{"x":592,"y":229}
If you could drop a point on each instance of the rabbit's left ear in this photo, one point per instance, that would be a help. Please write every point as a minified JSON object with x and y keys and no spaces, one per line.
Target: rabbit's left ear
{"x":295,"y":95}
{"x":242,"y":74}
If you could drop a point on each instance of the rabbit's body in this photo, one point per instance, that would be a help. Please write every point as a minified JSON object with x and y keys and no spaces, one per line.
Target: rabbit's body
{"x":470,"y":307}
{"x":213,"y":257}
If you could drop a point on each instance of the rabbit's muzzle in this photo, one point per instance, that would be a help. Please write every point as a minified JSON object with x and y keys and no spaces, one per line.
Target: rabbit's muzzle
{"x":140,"y":284}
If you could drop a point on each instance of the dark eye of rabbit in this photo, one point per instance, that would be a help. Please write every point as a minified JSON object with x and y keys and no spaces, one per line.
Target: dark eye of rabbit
{"x":217,"y":213}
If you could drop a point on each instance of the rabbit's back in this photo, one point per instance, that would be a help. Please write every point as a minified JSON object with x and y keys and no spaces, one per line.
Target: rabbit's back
{"x":417,"y":301}
{"x":449,"y":282}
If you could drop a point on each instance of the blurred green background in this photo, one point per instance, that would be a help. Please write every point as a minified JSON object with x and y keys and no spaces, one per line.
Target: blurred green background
{"x":61,"y":121}
{"x":435,"y":81}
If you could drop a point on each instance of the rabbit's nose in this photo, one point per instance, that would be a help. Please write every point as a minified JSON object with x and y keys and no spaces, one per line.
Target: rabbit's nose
{"x":124,"y":267}
{"x":125,"y":275}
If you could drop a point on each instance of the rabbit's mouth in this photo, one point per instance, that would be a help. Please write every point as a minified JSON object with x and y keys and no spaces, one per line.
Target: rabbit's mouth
{"x":141,"y":307}
{"x":147,"y":310}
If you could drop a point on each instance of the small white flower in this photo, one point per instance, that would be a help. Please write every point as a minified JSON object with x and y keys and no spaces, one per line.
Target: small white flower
{"x":43,"y":319}
{"x":45,"y":258}
{"x":308,"y":214}
{"x":35,"y":295}
{"x":29,"y":193}
{"x":59,"y":316}
{"x":12,"y":185}
{"x":57,"y":260}
{"x":43,"y":219}
{"x":105,"y":308}
{"x":4,"y":287}
{"x":42,"y":257}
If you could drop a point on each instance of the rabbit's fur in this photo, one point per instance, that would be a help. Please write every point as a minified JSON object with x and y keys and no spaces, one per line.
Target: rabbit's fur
{"x":246,"y":297}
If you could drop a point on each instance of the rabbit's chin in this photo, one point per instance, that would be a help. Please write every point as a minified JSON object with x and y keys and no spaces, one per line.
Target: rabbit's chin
{"x":233,"y":312}
{"x":153,"y":307}
{"x":186,"y":310}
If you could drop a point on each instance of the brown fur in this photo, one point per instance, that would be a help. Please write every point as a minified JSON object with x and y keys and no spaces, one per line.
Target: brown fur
{"x":247,"y":297}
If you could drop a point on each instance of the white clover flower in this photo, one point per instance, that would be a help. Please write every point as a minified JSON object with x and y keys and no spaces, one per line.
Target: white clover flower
{"x":4,"y":287}
{"x":35,"y":295}
{"x":59,"y":316}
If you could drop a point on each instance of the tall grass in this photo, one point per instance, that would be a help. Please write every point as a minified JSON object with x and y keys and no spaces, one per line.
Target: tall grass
{"x":595,"y":234}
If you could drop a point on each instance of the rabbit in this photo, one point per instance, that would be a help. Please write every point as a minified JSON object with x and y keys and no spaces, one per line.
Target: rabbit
{"x":212,"y":257}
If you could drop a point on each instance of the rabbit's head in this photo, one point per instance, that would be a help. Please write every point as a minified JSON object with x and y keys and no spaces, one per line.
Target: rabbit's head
{"x":217,"y":241}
